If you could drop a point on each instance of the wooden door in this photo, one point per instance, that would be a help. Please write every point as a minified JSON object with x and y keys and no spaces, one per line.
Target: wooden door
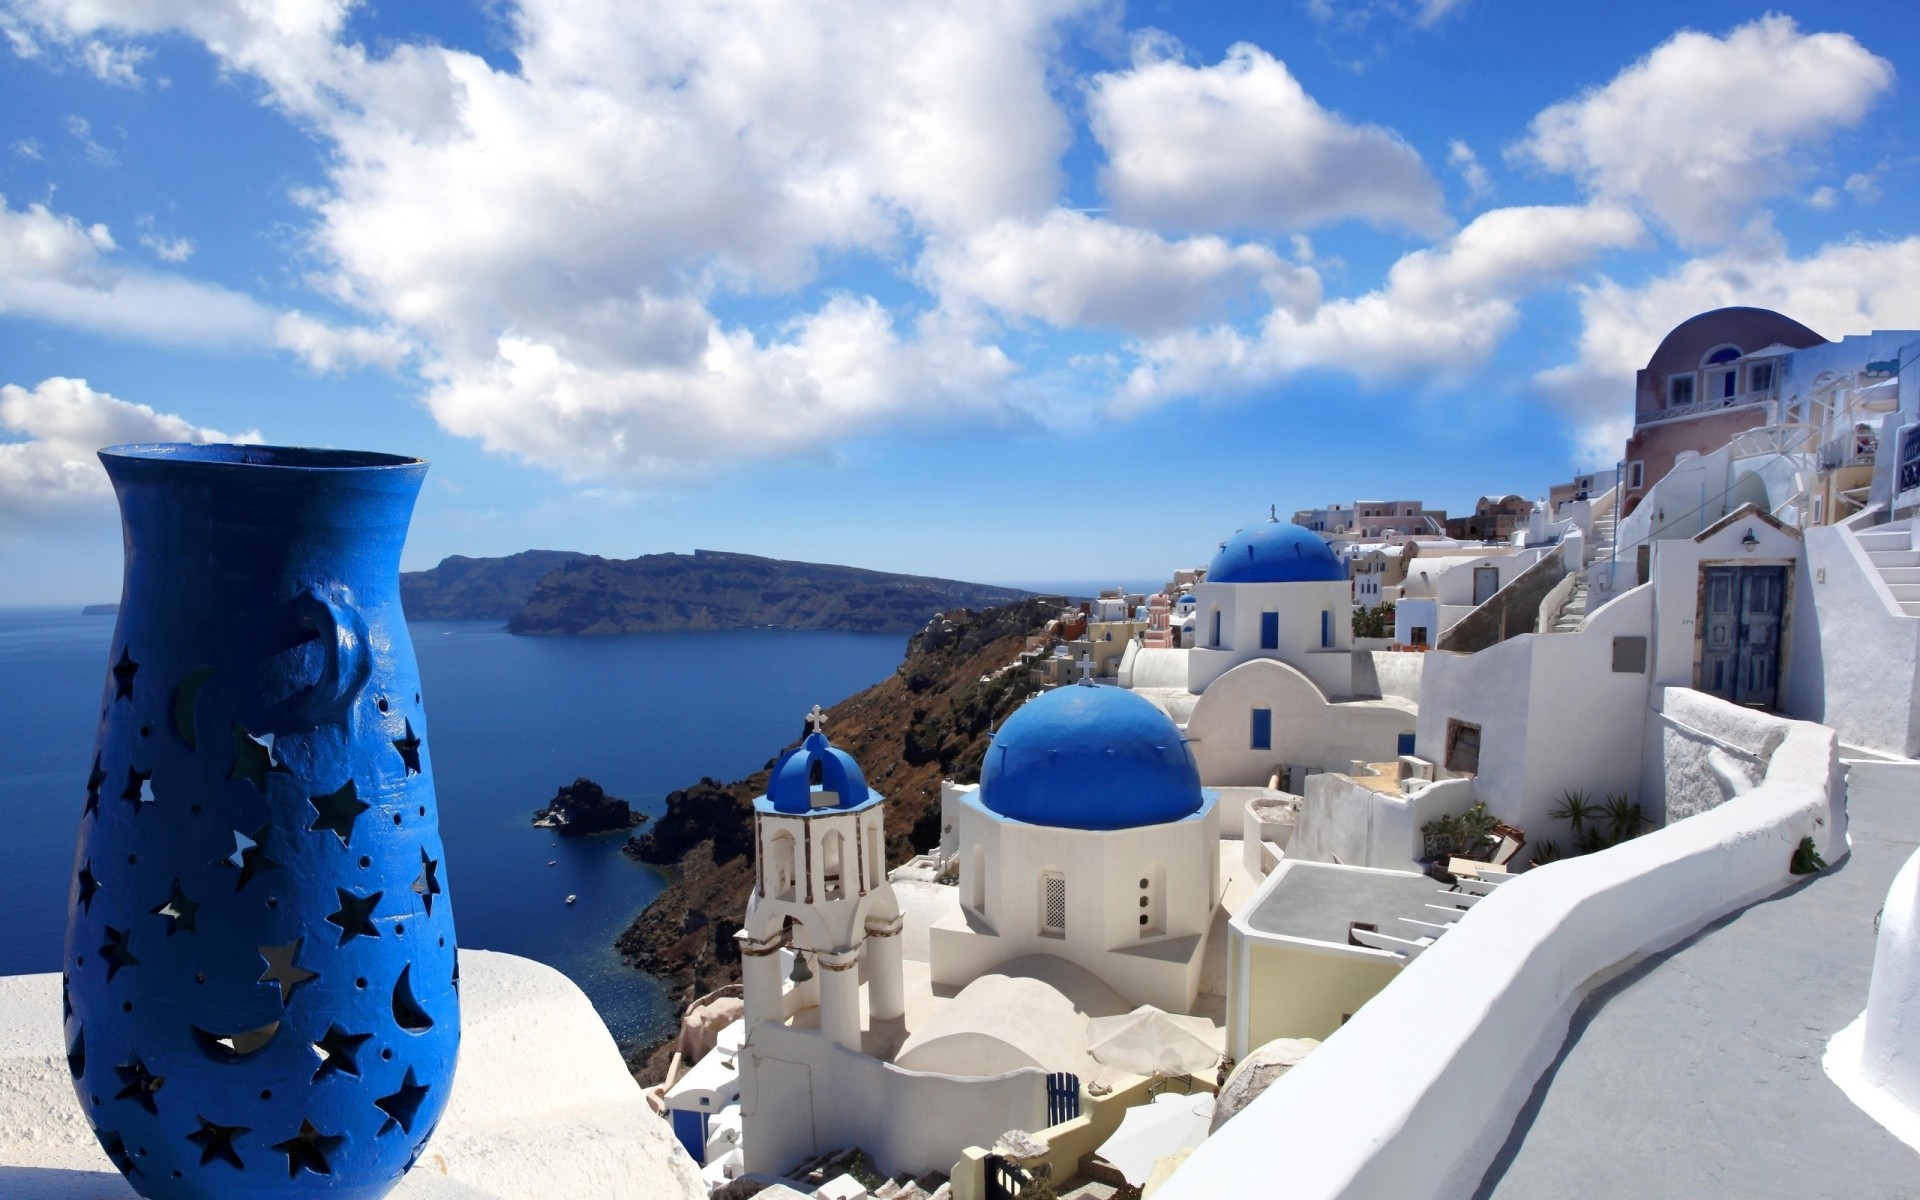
{"x":1741,"y":611}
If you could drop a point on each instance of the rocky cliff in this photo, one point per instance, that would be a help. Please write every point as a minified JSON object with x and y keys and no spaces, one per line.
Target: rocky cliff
{"x":658,"y":593}
{"x":477,"y":589}
{"x":928,"y":721}
{"x":583,"y":807}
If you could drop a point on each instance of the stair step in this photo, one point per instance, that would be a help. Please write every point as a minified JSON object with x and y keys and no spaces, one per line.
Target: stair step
{"x":1910,"y":607}
{"x":1904,"y":592}
{"x":1894,"y":558}
{"x":1895,"y":575}
{"x":1886,"y":539}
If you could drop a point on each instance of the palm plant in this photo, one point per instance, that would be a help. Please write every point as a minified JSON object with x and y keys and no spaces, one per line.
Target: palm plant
{"x":1625,"y":819}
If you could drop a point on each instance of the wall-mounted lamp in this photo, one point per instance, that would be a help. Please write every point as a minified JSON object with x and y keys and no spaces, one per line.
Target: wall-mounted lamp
{"x":1749,"y":541}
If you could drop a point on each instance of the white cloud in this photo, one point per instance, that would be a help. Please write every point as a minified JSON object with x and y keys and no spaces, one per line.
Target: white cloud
{"x":58,"y":426}
{"x":1473,"y":173}
{"x":1823,"y":198}
{"x":1863,"y":187}
{"x":98,"y":155}
{"x":1070,"y":269}
{"x":1441,"y":312}
{"x":119,"y":65}
{"x":54,"y":269}
{"x":28,"y":148}
{"x":326,"y":347}
{"x":1358,"y":14}
{"x":1846,"y":287}
{"x":1241,"y":145}
{"x":168,"y":249}
{"x":1704,"y":128}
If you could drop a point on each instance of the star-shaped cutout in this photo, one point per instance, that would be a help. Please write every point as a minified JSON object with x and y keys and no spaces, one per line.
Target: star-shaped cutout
{"x":139,"y":1084}
{"x":428,"y":885}
{"x":116,"y":951}
{"x":95,"y":779}
{"x":123,"y":672}
{"x":132,"y":792}
{"x":77,"y":1056}
{"x":403,"y":1105}
{"x":180,"y":912}
{"x":409,"y":748}
{"x":339,"y":1051}
{"x":337,"y":810}
{"x":116,"y":1148}
{"x":216,"y":1141}
{"x":308,"y":1150}
{"x":282,"y":969}
{"x":253,"y":758}
{"x":355,"y":917}
{"x":250,"y":855}
{"x":89,"y":887}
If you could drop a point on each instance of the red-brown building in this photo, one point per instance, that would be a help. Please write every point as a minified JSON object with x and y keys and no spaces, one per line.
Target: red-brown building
{"x":1711,"y":377}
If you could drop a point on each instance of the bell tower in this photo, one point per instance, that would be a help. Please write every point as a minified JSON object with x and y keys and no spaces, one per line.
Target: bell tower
{"x":821,"y":890}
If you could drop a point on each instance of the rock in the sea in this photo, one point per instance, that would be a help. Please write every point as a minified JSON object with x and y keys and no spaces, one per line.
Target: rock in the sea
{"x":583,"y":807}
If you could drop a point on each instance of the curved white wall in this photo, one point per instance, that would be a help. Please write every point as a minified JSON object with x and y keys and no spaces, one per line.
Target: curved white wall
{"x":1412,"y":1097}
{"x":1306,"y":729}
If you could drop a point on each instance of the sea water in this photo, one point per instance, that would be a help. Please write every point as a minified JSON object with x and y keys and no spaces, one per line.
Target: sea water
{"x":510,"y":720}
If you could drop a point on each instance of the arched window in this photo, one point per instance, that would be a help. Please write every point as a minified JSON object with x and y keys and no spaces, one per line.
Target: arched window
{"x":1720,"y":354}
{"x":876,"y":857}
{"x":833,"y":856}
{"x":780,"y":873}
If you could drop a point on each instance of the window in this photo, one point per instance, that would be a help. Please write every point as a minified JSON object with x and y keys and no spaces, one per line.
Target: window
{"x":1721,"y":354}
{"x":1269,"y":631}
{"x":1417,"y":635}
{"x":1326,"y":628}
{"x":1636,"y":474}
{"x":1053,"y":904}
{"x":1216,"y":628}
{"x":1760,"y":377}
{"x":1262,"y":738}
{"x":1679,"y":391}
{"x":1463,"y":747}
{"x":1630,"y":655}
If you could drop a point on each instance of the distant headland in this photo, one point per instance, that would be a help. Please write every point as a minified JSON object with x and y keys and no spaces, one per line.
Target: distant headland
{"x":558,"y":592}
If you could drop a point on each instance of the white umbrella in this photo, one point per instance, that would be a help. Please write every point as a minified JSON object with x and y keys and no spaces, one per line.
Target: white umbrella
{"x":1151,"y":1132}
{"x":1148,"y":1041}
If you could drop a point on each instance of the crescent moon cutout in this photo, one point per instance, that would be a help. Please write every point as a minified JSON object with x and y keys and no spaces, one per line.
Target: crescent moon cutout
{"x":185,"y":697}
{"x":234,"y":1047}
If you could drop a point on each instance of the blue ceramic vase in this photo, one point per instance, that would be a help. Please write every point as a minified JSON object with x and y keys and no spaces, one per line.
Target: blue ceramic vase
{"x":260,"y":974}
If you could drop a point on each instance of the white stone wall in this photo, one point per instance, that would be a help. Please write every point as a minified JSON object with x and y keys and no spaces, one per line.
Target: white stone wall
{"x":1415,"y":1094}
{"x":1003,"y":862}
{"x":1675,"y":572}
{"x":1299,"y":606}
{"x":802,"y":1095}
{"x":542,"y":1104}
{"x":1341,"y":821}
{"x":1855,"y":659}
{"x":1307,"y":730}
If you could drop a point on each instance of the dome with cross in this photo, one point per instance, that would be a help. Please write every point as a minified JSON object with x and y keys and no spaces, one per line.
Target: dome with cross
{"x":816,"y":776}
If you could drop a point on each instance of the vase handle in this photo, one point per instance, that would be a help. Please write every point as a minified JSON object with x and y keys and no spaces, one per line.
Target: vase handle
{"x":346,"y":667}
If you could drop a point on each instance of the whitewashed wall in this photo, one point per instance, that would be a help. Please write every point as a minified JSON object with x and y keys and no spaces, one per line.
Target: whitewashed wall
{"x":1414,"y":1095}
{"x":1307,"y":730}
{"x":801,"y":1094}
{"x":1675,"y":573}
{"x":1299,"y":606}
{"x":1855,"y":657}
{"x":1341,"y":821}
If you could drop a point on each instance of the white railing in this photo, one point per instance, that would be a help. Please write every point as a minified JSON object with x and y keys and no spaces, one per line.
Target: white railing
{"x":1674,"y":412}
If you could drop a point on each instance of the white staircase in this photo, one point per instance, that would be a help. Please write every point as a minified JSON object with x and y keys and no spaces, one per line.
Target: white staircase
{"x":1575,"y":613}
{"x":1891,"y":550}
{"x":1600,"y":545}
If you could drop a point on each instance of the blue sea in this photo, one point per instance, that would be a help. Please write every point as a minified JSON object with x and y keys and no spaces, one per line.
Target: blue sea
{"x":511,"y":719}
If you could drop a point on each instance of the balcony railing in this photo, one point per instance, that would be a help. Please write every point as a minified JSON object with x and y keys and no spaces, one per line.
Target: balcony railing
{"x":1675,"y":411}
{"x":1849,"y":450}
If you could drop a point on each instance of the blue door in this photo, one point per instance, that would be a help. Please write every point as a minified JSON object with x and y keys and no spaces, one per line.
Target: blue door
{"x":1269,"y":631}
{"x":1262,"y":729}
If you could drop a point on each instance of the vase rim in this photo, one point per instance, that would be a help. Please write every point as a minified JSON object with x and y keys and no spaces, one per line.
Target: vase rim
{"x":278,"y":458}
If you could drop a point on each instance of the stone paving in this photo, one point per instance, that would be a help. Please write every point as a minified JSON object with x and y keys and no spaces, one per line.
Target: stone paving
{"x":1697,"y":1073}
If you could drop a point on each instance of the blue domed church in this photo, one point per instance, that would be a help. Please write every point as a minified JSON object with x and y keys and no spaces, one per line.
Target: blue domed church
{"x":1091,"y":840}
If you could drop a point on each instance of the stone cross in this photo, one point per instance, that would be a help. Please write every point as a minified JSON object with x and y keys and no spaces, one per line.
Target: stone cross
{"x":1085,"y":666}
{"x":816,"y":720}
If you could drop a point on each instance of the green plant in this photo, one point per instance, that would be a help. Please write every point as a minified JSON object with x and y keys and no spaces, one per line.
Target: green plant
{"x":1599,"y":826}
{"x":1375,"y":622}
{"x":1460,"y":833}
{"x":1806,"y":858}
{"x":1548,"y":851}
{"x":1574,"y":808}
{"x":1625,"y":819}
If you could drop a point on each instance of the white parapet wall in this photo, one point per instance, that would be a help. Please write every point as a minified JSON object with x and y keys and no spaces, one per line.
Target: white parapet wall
{"x":1413,"y":1096}
{"x":542,"y":1104}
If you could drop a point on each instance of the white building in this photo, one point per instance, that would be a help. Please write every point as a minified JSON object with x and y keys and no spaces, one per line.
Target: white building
{"x":1088,"y":839}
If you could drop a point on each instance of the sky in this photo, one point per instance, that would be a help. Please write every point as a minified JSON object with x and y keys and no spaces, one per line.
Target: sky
{"x":1018,"y":291}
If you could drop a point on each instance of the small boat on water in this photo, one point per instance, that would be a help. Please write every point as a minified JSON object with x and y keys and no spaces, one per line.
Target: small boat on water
{"x":552,"y":861}
{"x":571,"y":899}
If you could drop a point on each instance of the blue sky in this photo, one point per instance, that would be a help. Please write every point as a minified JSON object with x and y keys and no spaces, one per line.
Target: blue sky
{"x":1028,"y":292}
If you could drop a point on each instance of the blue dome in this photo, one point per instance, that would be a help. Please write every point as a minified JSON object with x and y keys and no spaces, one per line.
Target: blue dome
{"x":1275,"y":552}
{"x":814,"y":767}
{"x":1083,"y":757}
